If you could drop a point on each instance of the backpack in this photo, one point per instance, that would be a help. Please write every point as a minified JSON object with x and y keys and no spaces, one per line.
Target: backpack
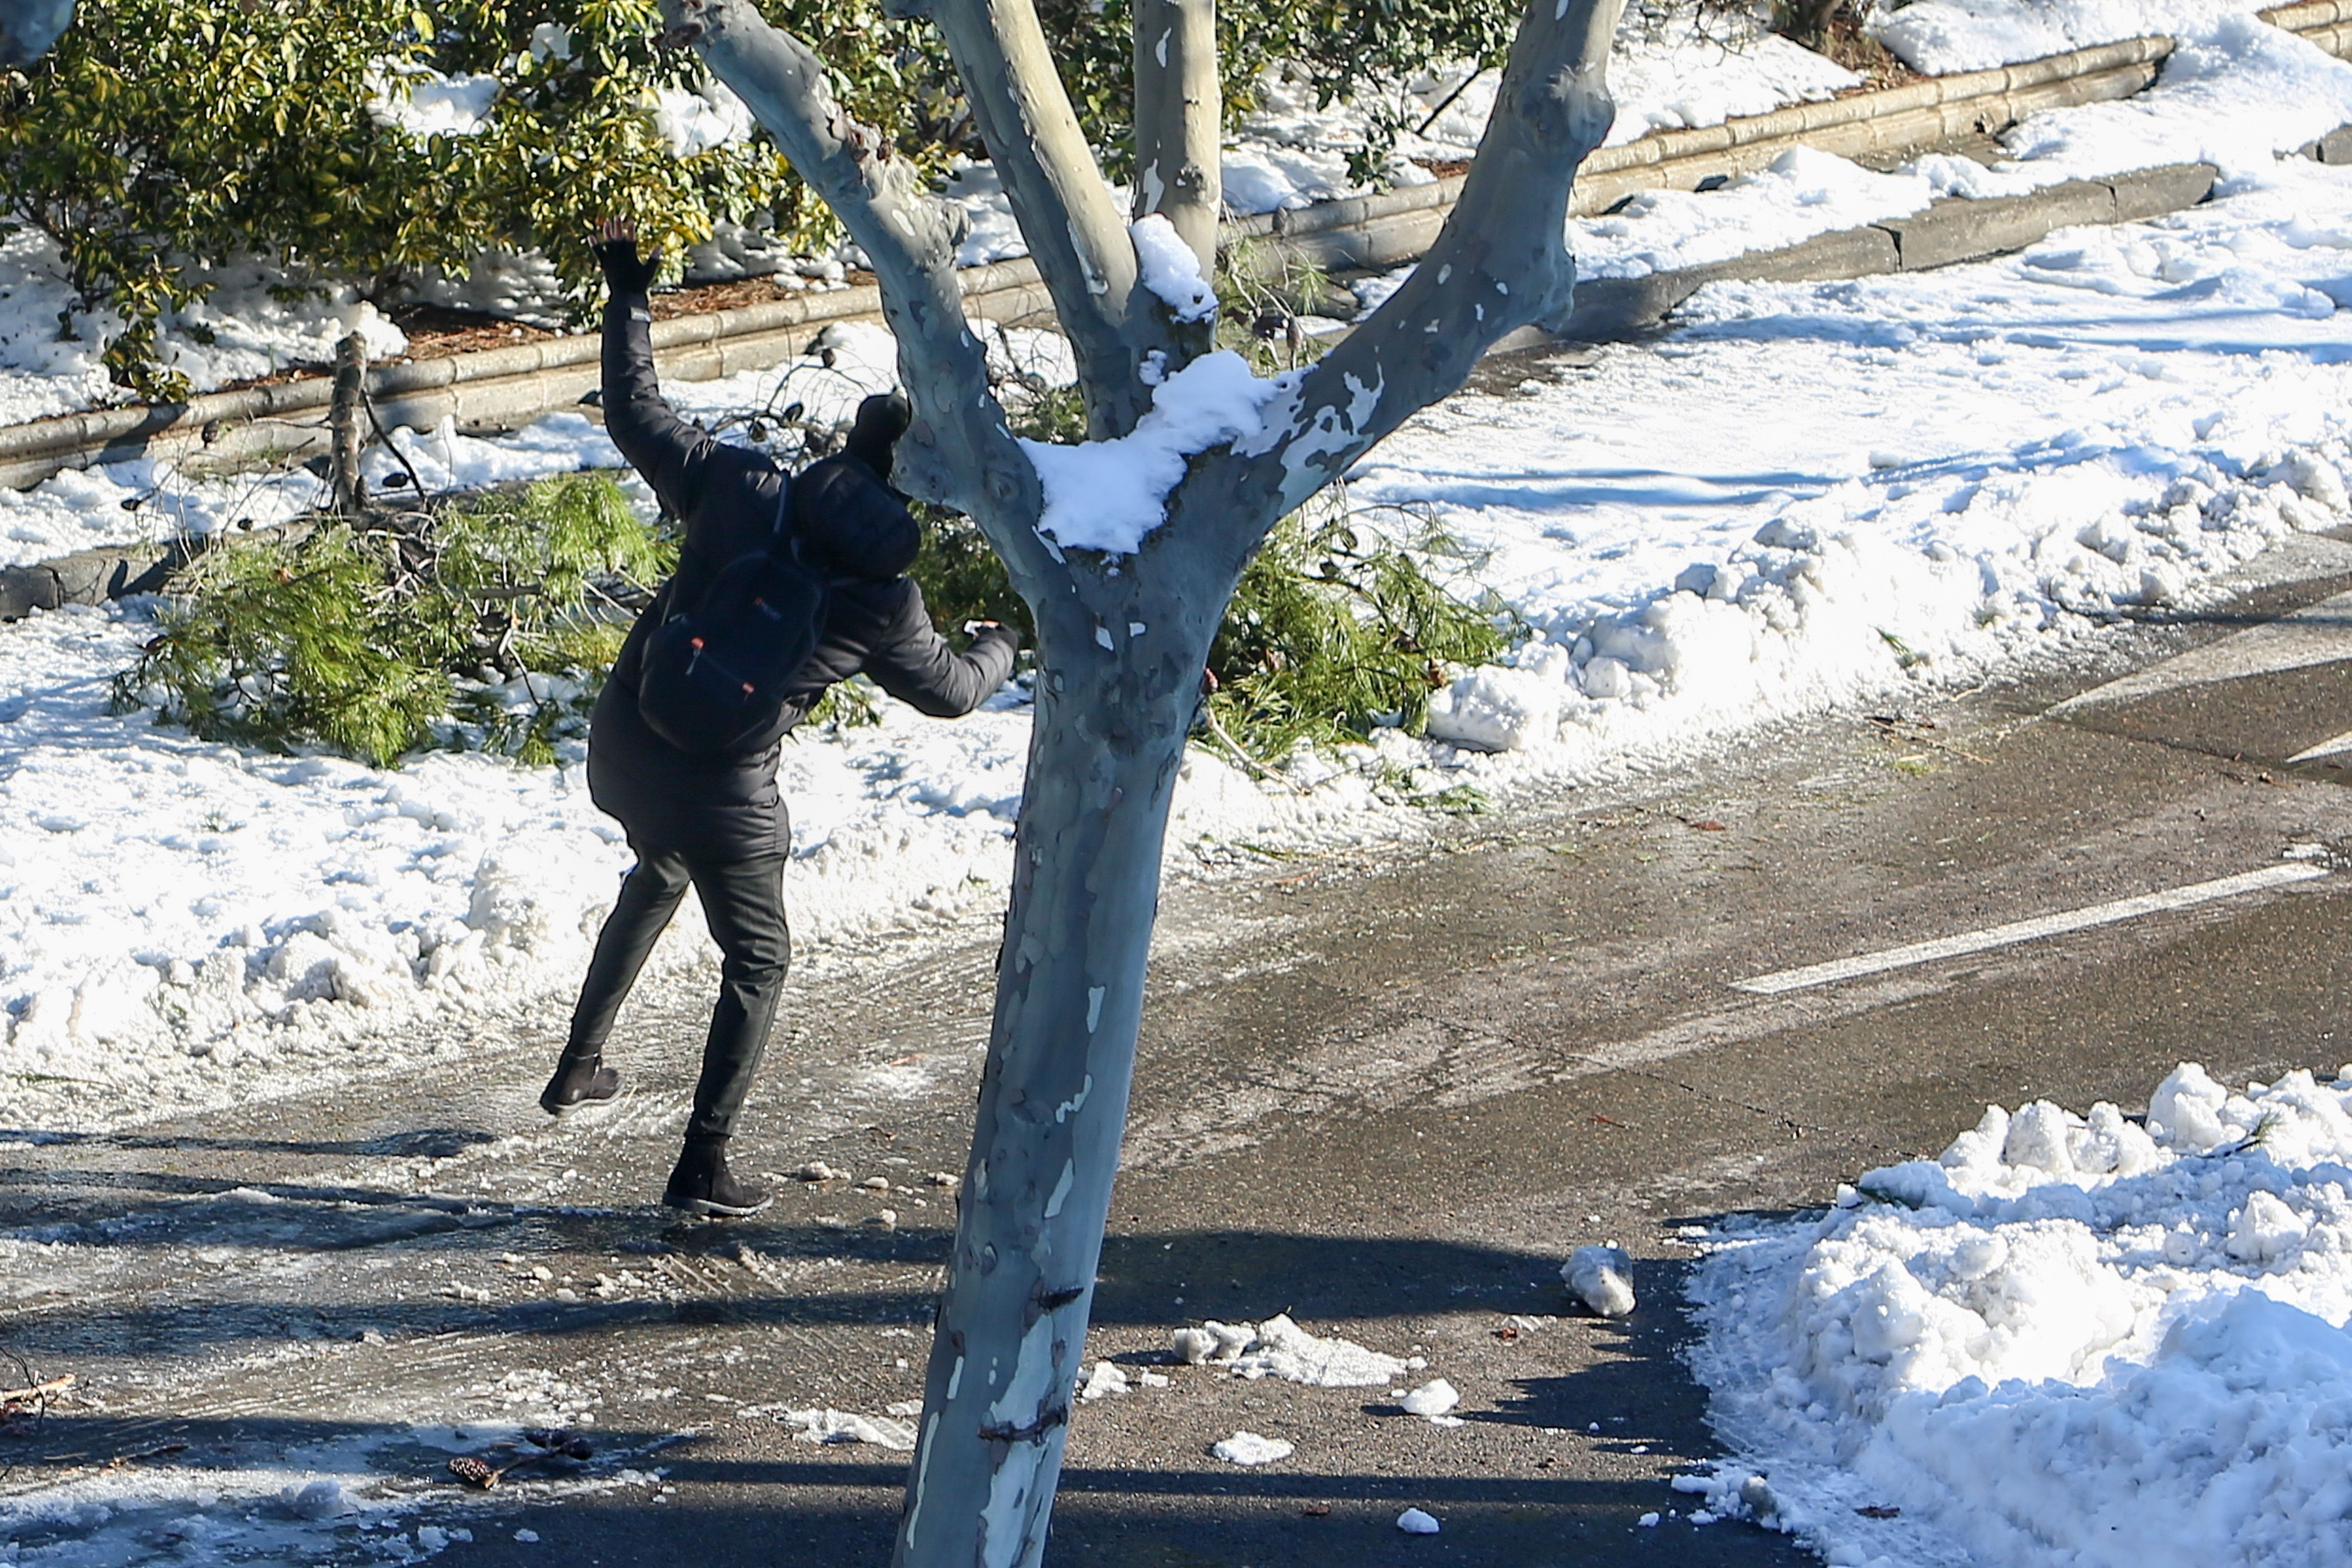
{"x":713,"y":676}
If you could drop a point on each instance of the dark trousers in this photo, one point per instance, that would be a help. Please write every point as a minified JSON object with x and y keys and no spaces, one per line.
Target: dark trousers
{"x":743,"y":902}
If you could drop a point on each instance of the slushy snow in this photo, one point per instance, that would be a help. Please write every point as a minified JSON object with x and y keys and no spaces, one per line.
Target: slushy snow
{"x":2123,"y":1344}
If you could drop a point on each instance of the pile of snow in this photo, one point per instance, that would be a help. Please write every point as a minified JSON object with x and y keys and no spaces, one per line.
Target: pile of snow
{"x":1279,"y":1348}
{"x":1170,"y":270}
{"x":1941,"y":37}
{"x":700,"y":121}
{"x":423,"y":103}
{"x":1602,"y":1277}
{"x":2122,"y":1343}
{"x":1110,"y":495}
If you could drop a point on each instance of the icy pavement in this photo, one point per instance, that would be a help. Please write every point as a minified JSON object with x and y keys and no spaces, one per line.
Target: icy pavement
{"x":1382,"y":1098}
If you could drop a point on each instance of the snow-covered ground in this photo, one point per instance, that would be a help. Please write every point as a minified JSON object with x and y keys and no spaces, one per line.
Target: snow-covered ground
{"x":2071,"y":1338}
{"x":1906,"y":479}
{"x":1941,"y":37}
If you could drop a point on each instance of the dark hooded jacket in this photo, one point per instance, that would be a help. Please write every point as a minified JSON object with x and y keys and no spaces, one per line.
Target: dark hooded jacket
{"x":728,"y":499}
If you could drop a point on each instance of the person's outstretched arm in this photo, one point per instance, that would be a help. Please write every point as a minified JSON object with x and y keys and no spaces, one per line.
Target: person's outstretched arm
{"x":914,"y":664}
{"x":668,"y":451}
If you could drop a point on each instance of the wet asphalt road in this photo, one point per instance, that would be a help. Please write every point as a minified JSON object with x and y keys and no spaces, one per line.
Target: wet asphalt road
{"x":1386,"y":1092}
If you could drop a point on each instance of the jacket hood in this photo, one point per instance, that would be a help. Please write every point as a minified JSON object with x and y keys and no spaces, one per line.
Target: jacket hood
{"x":855,"y":522}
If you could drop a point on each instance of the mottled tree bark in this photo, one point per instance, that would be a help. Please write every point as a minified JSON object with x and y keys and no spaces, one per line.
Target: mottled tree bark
{"x":1122,"y":640}
{"x":31,"y":28}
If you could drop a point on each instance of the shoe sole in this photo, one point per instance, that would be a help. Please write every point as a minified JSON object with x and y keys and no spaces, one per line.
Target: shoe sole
{"x":567,"y":1106}
{"x":709,"y":1210}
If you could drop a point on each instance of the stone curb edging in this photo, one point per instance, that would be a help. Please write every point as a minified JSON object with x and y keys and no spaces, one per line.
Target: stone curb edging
{"x":505,"y":387}
{"x":1951,"y":230}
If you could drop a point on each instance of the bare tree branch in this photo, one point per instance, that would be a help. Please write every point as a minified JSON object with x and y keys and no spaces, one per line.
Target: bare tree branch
{"x":960,"y":451}
{"x":1501,"y":263}
{"x":1074,"y":231}
{"x":1179,"y":127}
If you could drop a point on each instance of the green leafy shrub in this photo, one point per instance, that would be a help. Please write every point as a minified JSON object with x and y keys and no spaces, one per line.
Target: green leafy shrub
{"x":374,"y":640}
{"x":162,"y":137}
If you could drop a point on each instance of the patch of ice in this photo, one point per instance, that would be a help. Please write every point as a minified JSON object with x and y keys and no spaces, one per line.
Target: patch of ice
{"x":1413,"y":1521}
{"x":828,"y":1425}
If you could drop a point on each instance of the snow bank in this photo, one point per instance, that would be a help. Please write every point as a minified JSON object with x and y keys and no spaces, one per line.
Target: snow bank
{"x":2144,"y":406}
{"x":1941,"y":37}
{"x":2234,"y":94}
{"x":2071,"y":1337}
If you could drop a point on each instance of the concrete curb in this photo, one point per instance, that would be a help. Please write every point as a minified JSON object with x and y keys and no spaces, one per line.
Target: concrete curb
{"x":503,"y":388}
{"x":1949,"y":231}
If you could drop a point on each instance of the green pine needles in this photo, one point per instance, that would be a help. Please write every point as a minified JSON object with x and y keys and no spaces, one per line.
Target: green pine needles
{"x":1343,"y":623}
{"x":485,"y":624}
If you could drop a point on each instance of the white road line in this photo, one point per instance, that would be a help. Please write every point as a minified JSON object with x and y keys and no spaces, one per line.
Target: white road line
{"x":2327,"y":748}
{"x":2027,"y":930}
{"x":2315,"y":635}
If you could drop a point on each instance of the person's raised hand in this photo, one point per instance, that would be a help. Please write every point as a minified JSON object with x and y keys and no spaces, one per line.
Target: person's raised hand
{"x":616,"y":248}
{"x":881,"y":420}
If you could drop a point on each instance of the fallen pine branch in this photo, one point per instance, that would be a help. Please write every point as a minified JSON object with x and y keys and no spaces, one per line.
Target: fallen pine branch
{"x":35,"y":1394}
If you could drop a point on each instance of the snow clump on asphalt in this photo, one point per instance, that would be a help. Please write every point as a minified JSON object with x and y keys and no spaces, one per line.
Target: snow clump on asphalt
{"x":2124,"y":1343}
{"x":1279,"y":1348}
{"x":1283,"y":1350}
{"x":1602,"y":1277}
{"x":1249,"y":1448}
{"x":1435,"y":1398}
{"x":1413,"y":1521}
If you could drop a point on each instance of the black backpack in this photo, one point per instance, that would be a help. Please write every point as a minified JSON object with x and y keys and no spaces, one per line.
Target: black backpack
{"x":713,"y":676}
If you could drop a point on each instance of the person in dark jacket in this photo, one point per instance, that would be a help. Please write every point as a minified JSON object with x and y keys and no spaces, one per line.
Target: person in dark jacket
{"x":720,"y":823}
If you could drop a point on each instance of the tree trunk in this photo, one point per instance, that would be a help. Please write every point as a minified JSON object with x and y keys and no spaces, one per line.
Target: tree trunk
{"x":1122,"y":660}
